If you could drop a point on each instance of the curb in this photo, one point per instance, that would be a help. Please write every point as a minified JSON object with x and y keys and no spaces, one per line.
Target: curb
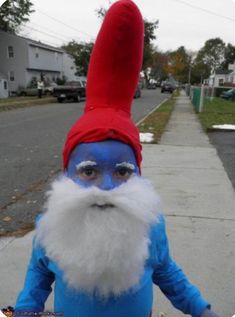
{"x":155,"y":108}
{"x":219,"y":130}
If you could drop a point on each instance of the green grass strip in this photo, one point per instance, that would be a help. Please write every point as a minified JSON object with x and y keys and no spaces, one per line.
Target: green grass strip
{"x":217,"y":111}
{"x":156,"y":122}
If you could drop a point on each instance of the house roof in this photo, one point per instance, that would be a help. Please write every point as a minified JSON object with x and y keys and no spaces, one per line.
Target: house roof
{"x":44,"y":70}
{"x":37,"y":43}
{"x":42,"y":45}
{"x":223,"y":71}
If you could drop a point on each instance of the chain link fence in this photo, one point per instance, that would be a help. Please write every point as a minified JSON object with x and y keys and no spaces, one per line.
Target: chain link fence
{"x":198,"y":94}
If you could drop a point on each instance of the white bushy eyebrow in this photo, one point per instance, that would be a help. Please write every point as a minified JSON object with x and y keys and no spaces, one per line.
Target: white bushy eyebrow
{"x":127,"y":165}
{"x":85,"y":164}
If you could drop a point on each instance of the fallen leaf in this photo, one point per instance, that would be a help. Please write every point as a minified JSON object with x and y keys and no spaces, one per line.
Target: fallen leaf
{"x":7,"y":218}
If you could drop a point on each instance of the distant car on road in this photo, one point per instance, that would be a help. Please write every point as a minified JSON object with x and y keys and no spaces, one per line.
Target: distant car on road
{"x":151,"y":86}
{"x":167,"y":86}
{"x":229,"y":94}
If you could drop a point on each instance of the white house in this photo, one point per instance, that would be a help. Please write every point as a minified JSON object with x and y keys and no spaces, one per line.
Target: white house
{"x":23,"y":59}
{"x":223,"y":76}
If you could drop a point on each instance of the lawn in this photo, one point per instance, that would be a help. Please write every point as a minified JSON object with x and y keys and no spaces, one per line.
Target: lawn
{"x":217,"y":111}
{"x":156,"y":122}
{"x":18,"y":102}
{"x":16,"y":99}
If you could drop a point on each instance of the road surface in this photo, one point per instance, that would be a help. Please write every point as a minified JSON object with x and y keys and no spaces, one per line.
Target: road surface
{"x":31,"y":141}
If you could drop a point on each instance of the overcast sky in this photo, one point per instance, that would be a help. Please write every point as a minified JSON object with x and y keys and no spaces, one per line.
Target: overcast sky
{"x":181,"y":22}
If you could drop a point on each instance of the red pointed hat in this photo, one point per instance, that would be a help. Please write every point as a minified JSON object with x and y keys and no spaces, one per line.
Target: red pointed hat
{"x":113,"y":75}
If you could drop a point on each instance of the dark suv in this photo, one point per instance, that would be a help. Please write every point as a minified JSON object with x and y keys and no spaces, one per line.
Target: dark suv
{"x":167,"y":86}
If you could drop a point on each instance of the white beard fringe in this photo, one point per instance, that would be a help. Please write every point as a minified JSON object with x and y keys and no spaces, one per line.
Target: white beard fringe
{"x":99,"y":251}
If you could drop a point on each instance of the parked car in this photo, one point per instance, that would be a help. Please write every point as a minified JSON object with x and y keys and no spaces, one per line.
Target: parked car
{"x":167,"y":86}
{"x":228,"y":94}
{"x":151,"y":86}
{"x":73,"y":90}
{"x":27,"y":92}
{"x":48,"y":91}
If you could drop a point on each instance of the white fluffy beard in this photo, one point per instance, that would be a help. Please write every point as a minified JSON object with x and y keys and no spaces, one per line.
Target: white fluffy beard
{"x":100,"y":251}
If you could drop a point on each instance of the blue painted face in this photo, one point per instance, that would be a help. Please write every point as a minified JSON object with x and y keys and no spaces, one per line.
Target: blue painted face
{"x":105,"y":164}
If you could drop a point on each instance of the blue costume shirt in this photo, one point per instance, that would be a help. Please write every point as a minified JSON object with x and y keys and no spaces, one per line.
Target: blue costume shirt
{"x":160,"y":269}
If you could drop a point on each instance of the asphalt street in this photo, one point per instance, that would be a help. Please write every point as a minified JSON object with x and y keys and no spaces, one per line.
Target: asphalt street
{"x":224,"y":142}
{"x":31,"y":142}
{"x":197,"y":199}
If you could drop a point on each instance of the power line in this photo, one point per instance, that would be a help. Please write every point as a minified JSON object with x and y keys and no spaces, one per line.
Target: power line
{"x":69,"y":26}
{"x":50,"y":43}
{"x":52,"y":32}
{"x":64,"y":39}
{"x":205,"y":10}
{"x":30,"y":37}
{"x":45,"y":33}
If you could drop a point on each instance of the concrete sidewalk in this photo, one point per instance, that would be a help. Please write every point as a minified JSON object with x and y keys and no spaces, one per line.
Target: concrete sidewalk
{"x":199,"y":203}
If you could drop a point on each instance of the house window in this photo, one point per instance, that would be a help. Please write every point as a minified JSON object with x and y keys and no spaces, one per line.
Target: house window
{"x":5,"y":84}
{"x":10,"y":52}
{"x":36,"y":52}
{"x":56,"y":56}
{"x":11,"y":76}
{"x":221,"y":82}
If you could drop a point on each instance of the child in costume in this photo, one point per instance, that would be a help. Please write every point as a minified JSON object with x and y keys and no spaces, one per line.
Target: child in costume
{"x":102,"y":239}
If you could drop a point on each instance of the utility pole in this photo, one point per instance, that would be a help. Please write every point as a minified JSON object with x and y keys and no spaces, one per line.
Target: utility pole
{"x":189,"y":74}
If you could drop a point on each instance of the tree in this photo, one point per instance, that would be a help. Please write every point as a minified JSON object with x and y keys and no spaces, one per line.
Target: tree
{"x":149,"y":50}
{"x":81,"y":53}
{"x":13,"y":13}
{"x":159,"y":69}
{"x":179,"y":64}
{"x":229,"y":55}
{"x":212,"y":54}
{"x":199,"y":71}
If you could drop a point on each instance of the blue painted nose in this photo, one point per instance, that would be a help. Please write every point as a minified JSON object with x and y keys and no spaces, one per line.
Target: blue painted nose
{"x":107,"y":182}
